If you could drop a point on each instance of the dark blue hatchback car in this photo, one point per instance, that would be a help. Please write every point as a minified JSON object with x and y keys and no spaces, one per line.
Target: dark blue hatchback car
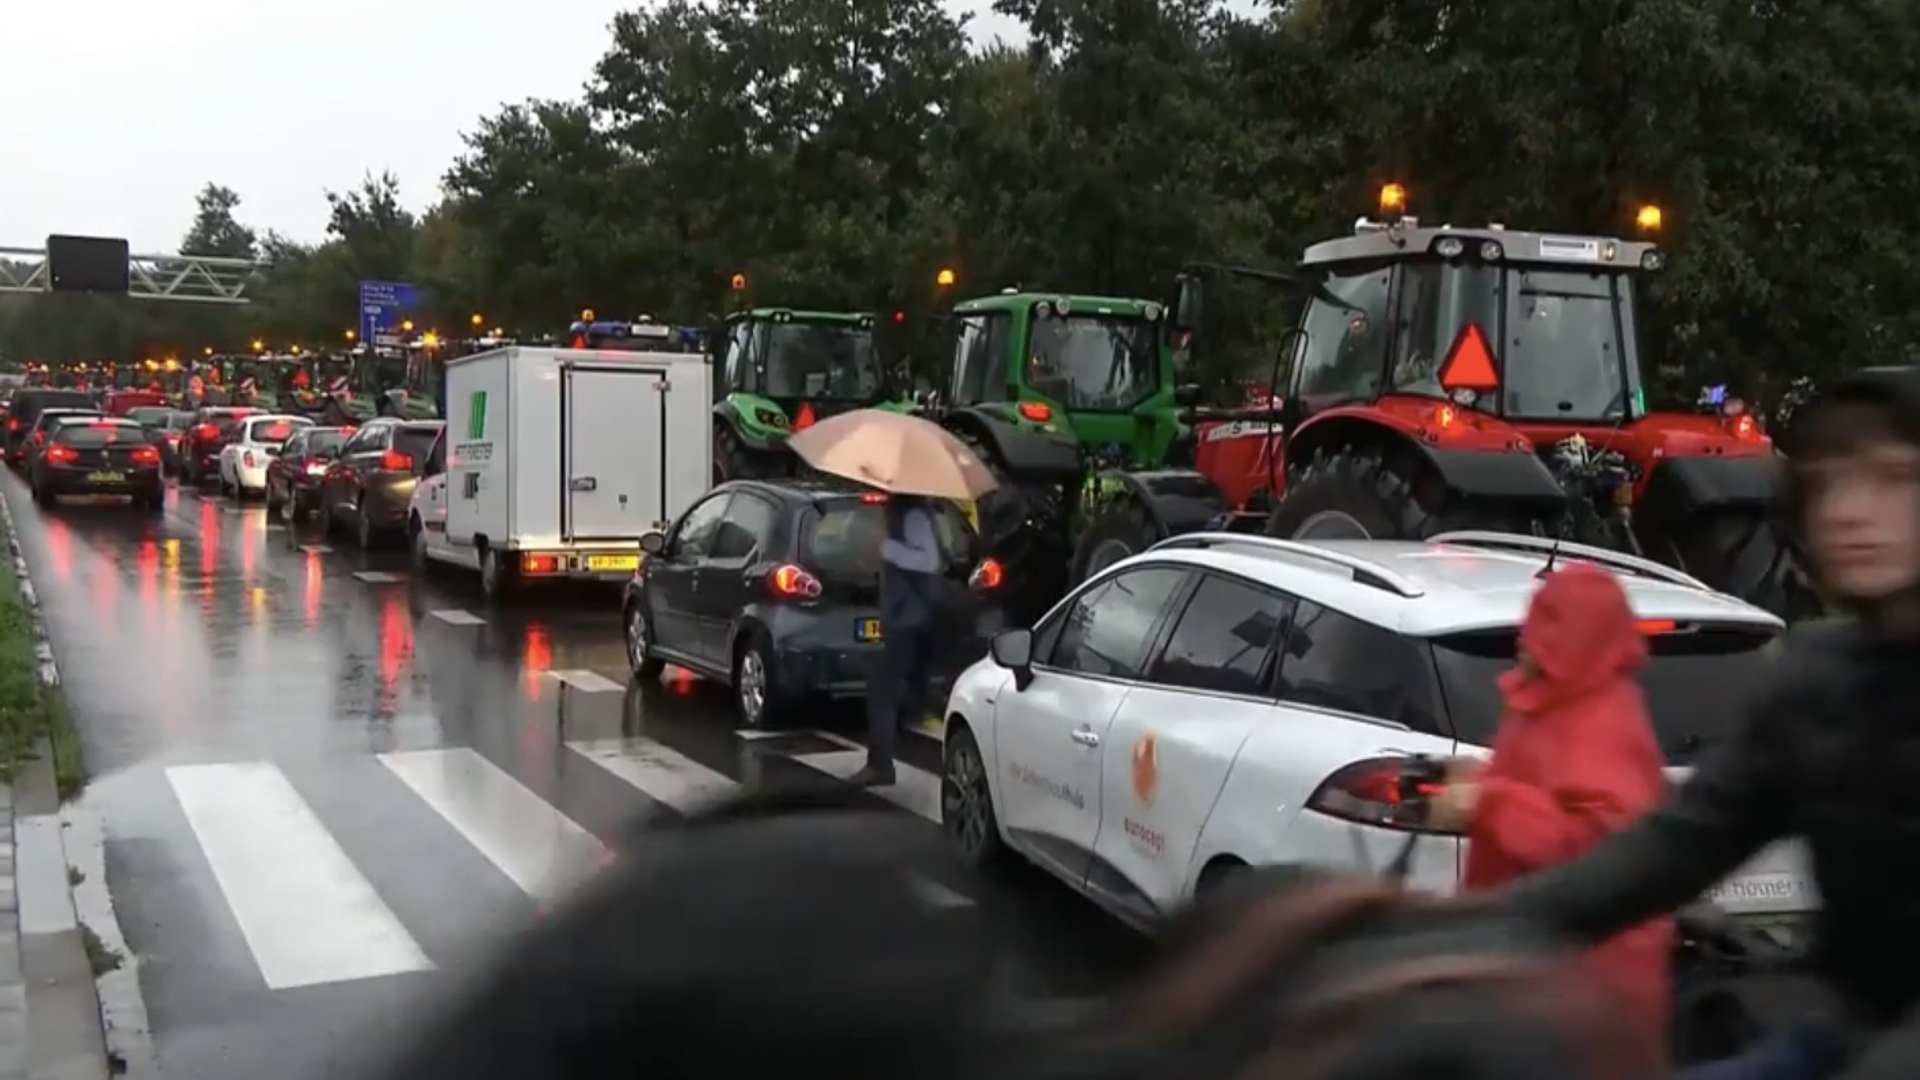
{"x":773,"y":588}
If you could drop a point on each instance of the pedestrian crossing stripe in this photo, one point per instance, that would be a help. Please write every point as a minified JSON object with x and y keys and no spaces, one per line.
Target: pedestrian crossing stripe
{"x":582,"y":679}
{"x":456,"y":617}
{"x":378,"y":577}
{"x":309,"y":916}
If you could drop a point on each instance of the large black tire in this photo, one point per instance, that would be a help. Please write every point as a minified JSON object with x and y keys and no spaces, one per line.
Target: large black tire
{"x":733,"y":459}
{"x":1118,"y":529}
{"x":1024,"y":527}
{"x":1352,"y":494}
{"x":1743,"y":553}
{"x":966,"y":804}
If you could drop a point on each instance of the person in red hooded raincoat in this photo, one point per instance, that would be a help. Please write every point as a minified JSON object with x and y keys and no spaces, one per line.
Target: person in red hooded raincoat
{"x":1575,"y":759}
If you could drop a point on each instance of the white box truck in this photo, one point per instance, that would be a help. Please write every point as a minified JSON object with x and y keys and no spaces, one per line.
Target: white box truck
{"x":556,"y":461}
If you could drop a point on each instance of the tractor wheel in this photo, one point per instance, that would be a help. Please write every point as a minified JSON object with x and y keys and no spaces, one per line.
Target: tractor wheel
{"x":733,"y":460}
{"x":1743,"y":554}
{"x":1121,"y":528}
{"x":1350,"y":494}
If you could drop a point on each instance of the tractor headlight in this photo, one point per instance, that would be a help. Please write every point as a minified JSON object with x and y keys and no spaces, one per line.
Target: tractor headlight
{"x":1449,"y":247}
{"x":1653,"y":260}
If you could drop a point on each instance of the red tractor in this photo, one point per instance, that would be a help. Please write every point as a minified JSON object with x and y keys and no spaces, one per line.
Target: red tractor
{"x":1447,"y":378}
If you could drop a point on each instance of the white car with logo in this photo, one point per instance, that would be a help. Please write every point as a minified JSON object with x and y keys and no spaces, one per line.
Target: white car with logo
{"x":1222,"y":700}
{"x":243,"y":462}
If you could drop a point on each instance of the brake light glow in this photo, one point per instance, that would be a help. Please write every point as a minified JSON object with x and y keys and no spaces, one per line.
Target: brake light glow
{"x":874,"y":497}
{"x":793,"y":582}
{"x":395,"y":461}
{"x":316,"y":468}
{"x":62,"y":455}
{"x":536,"y":564}
{"x":1368,"y":792}
{"x":39,"y":438}
{"x":13,"y":423}
{"x":205,"y":432}
{"x":1743,"y":426}
{"x":1655,"y":626}
{"x":1036,"y":411}
{"x":988,"y":575}
{"x":146,"y":455}
{"x":247,"y":457}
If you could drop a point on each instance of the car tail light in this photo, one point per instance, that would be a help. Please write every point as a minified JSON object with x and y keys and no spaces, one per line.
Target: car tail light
{"x":534,"y":564}
{"x":1371,"y":792}
{"x":395,"y":461}
{"x":316,"y":468}
{"x":13,"y":423}
{"x":793,"y":583}
{"x":247,"y":458}
{"x":874,"y":497}
{"x":206,"y":432}
{"x":988,"y":575}
{"x":146,"y":455}
{"x":173,"y":438}
{"x":62,"y":455}
{"x":39,"y":438}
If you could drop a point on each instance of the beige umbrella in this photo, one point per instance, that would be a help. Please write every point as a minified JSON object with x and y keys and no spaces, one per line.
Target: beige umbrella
{"x":895,"y":452}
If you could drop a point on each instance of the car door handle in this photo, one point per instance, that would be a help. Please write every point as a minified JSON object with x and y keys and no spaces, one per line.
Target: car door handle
{"x":1085,"y":736}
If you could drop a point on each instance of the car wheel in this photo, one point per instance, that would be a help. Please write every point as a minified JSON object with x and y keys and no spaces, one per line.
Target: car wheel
{"x":755,"y":695}
{"x":640,"y":658}
{"x":496,"y":577}
{"x":364,"y":532}
{"x":966,"y":803}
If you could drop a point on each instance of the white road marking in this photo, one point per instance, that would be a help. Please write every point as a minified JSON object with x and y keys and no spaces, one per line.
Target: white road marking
{"x":458,"y":617}
{"x":761,"y":733}
{"x":378,"y":577}
{"x":582,"y":679}
{"x":537,"y":847}
{"x":316,"y":549}
{"x":661,"y":774}
{"x":918,"y":790}
{"x":306,"y":913}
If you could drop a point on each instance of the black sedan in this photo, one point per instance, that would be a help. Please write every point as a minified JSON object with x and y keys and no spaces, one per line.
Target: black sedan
{"x":296,"y":474}
{"x":97,"y":455}
{"x":773,"y":587}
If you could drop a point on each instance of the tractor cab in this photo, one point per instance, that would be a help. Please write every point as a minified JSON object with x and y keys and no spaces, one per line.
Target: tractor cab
{"x":1094,"y":365}
{"x":781,"y":369}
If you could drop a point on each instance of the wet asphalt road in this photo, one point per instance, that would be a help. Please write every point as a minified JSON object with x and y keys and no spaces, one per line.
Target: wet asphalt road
{"x":329,"y":786}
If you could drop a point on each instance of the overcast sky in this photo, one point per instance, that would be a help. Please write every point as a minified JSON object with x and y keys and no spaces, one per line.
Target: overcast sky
{"x":121,"y":110}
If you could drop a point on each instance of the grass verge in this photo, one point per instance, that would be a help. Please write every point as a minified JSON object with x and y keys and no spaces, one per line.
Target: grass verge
{"x":27,"y":709}
{"x":99,"y":957}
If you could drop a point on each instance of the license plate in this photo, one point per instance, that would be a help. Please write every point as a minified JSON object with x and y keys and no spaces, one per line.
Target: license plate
{"x":107,"y":477}
{"x":613,"y":562}
{"x":866,"y":630}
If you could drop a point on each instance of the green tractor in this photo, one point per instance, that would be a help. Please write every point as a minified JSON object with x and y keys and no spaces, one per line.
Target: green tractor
{"x":1061,"y":395}
{"x":394,"y":382}
{"x":778,"y":370}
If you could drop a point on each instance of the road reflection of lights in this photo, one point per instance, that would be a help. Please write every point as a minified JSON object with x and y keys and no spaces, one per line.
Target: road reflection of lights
{"x":682,"y":681}
{"x":147,"y":565}
{"x":539,"y":660}
{"x":106,"y":591}
{"x":209,"y":537}
{"x":316,"y":578}
{"x":247,"y":542}
{"x":396,"y":647}
{"x":60,"y":546}
{"x":257,"y":608}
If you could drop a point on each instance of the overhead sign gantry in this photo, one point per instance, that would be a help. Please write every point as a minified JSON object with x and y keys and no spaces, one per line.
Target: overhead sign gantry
{"x":92,"y":264}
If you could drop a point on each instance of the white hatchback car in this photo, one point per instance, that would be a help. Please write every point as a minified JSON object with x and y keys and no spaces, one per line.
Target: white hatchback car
{"x":243,"y":462}
{"x":1222,"y":700}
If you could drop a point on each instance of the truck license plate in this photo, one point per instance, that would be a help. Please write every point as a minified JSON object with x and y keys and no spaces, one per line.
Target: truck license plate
{"x":866,"y":630}
{"x":613,"y":562}
{"x":106,"y":477}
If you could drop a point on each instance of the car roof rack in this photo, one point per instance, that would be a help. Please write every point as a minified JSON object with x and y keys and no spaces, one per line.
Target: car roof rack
{"x":1365,"y":571}
{"x":1547,"y":545}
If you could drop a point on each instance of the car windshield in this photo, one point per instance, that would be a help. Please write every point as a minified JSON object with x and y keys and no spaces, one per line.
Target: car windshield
{"x":1560,"y":355}
{"x":92,"y":435}
{"x":148,"y":416}
{"x":845,"y":537}
{"x":57,"y":399}
{"x":817,"y":361}
{"x":274,"y":432}
{"x":1092,"y":361}
{"x":320,"y":442}
{"x":1691,"y":682}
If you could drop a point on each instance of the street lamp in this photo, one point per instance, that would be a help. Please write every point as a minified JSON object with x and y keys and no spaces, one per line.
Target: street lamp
{"x":350,"y":336}
{"x":477,"y":321}
{"x":259,"y":346}
{"x":407,"y":326}
{"x":944,"y":279}
{"x":431,"y":340}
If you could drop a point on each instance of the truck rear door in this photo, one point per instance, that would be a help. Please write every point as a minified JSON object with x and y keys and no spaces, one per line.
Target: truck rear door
{"x":613,"y":422}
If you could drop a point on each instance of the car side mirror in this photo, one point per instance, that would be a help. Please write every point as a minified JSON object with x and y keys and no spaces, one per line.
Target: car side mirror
{"x":653,"y":543}
{"x":1013,"y":650}
{"x":1188,"y":298}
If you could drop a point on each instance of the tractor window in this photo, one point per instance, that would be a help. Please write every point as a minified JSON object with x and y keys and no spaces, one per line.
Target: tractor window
{"x":813,"y":361}
{"x":1561,"y":353}
{"x":737,"y":367}
{"x":1435,"y":301}
{"x":980,"y":358}
{"x":1345,"y":343}
{"x":1093,"y":361}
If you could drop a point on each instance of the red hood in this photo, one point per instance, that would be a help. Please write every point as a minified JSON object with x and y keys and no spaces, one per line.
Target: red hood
{"x":1580,"y":635}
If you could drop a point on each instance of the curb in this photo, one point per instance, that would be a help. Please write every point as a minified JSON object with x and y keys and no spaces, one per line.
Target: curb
{"x":127,"y":1039}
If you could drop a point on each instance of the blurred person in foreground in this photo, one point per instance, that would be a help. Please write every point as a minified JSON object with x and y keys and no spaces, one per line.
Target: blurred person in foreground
{"x":1575,"y":758}
{"x":910,"y":619}
{"x":1829,"y":752}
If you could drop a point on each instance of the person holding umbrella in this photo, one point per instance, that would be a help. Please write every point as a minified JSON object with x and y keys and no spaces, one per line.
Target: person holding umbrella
{"x":912,"y":461}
